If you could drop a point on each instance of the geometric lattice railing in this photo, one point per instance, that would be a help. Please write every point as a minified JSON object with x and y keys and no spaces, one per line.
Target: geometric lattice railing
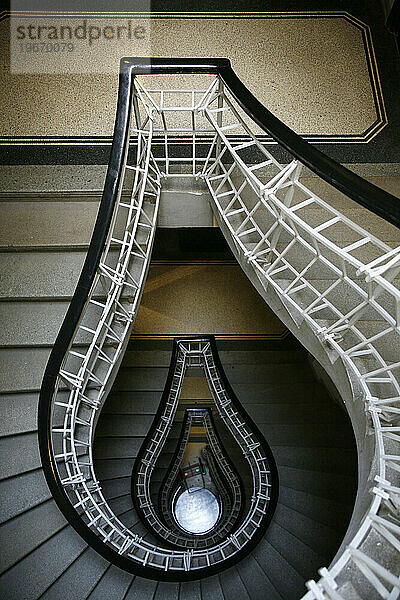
{"x":334,"y":282}
{"x":342,"y":282}
{"x":201,"y":353}
{"x":216,"y":461}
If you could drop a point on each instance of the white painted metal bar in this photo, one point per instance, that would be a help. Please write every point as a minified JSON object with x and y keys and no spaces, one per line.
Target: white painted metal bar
{"x":266,"y":213}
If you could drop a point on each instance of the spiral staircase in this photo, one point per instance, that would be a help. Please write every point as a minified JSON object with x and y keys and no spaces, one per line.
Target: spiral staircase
{"x":324,"y":409}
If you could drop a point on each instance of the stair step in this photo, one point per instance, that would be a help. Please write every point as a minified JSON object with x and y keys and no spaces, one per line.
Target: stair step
{"x":23,"y":223}
{"x":139,"y":528}
{"x":40,"y":275}
{"x":268,"y":393}
{"x":119,"y":505}
{"x":118,"y":425}
{"x":117,"y":447}
{"x":167,"y":591}
{"x":14,"y":374}
{"x":116,"y":487}
{"x":114,"y":584}
{"x":320,"y":538}
{"x":154,"y":378}
{"x":231,"y":358}
{"x":211,"y":589}
{"x":22,"y":492}
{"x":190,"y":590}
{"x":326,"y":485}
{"x":304,"y":413}
{"x":268,"y":373}
{"x":305,"y":435}
{"x":164,"y":460}
{"x":22,"y":535}
{"x":129,"y":519}
{"x":79,"y":578}
{"x":23,"y":322}
{"x":144,"y":378}
{"x":141,"y":589}
{"x":303,"y":558}
{"x":30,"y":577}
{"x":328,"y":512}
{"x":285,"y":579}
{"x":342,"y":461}
{"x":258,"y":586}
{"x":18,"y":413}
{"x":232,"y":585}
{"x":132,"y":402}
{"x":147,"y":358}
{"x":111,"y":468}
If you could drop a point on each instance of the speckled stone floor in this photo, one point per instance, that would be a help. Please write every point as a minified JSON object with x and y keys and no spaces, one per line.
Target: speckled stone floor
{"x":326,"y":69}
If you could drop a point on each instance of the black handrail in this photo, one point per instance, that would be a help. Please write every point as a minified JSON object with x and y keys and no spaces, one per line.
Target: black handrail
{"x":113,"y":181}
{"x":156,"y":420}
{"x":245,"y":417}
{"x":221,"y":473}
{"x":360,"y":190}
{"x":366,"y":194}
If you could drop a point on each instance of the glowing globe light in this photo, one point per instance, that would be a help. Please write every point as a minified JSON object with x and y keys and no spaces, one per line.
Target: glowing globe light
{"x":197,"y":510}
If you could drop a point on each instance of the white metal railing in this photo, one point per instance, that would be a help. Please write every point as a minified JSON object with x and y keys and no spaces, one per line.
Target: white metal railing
{"x":86,"y":376}
{"x":198,"y":352}
{"x":213,"y":453}
{"x":287,"y":239}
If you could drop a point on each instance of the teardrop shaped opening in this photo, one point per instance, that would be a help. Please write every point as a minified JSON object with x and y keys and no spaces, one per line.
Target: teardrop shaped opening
{"x":198,"y":450}
{"x":301,"y":416}
{"x":265,"y":408}
{"x":200,"y":463}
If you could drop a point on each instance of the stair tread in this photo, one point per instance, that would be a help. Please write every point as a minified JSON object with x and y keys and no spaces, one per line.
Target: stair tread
{"x":251,"y":357}
{"x":117,"y":425}
{"x":167,"y":591}
{"x":328,"y":512}
{"x":304,"y":412}
{"x":232,"y":585}
{"x":325,"y":487}
{"x":136,"y":424}
{"x":119,"y":505}
{"x":30,"y":577}
{"x":130,"y":520}
{"x":22,"y":492}
{"x":22,"y":454}
{"x":91,"y":564}
{"x":303,"y":558}
{"x":306,"y":435}
{"x":342,"y":461}
{"x":132,"y":402}
{"x":116,"y":487}
{"x":114,"y":583}
{"x":154,"y":378}
{"x":190,"y":590}
{"x":118,"y":447}
{"x":283,"y":576}
{"x":113,"y":468}
{"x":323,"y":474}
{"x":257,"y":584}
{"x":287,"y":391}
{"x":24,"y":533}
{"x":18,"y":413}
{"x":141,"y":589}
{"x":162,"y":358}
{"x":211,"y":588}
{"x":320,"y":538}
